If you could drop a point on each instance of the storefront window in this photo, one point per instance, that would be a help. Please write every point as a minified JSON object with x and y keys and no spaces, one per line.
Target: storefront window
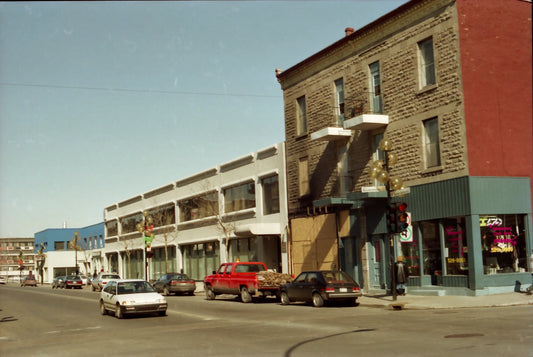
{"x":456,"y":246}
{"x":431,"y":250}
{"x":201,"y":259}
{"x":244,"y":249}
{"x":503,"y":243}
{"x":411,"y":255}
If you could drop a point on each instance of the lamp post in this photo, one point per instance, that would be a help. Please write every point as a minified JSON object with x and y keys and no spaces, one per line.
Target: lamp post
{"x":146,"y":227}
{"x":75,"y":246}
{"x":380,"y":172}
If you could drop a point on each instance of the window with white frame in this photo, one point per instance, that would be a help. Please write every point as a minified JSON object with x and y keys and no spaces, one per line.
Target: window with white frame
{"x":239,"y":197}
{"x":377,"y":153}
{"x":270,"y":186}
{"x":431,"y":142}
{"x":339,"y":100}
{"x":303,"y":176}
{"x":301,"y":125}
{"x":375,"y":85}
{"x":427,"y":63}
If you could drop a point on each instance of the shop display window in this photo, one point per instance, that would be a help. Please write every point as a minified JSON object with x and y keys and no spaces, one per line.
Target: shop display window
{"x":456,"y":249}
{"x":503,"y":243}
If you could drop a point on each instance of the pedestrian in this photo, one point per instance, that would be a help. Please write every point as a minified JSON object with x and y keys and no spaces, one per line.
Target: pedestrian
{"x":401,"y":276}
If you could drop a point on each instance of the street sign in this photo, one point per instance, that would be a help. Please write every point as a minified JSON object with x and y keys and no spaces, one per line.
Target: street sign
{"x":407,"y":235}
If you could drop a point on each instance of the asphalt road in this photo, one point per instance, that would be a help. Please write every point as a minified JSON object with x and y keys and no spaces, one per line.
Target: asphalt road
{"x":45,"y":322}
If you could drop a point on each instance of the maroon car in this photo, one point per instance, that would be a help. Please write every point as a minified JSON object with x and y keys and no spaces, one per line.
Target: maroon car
{"x":29,"y":281}
{"x":174,"y":283}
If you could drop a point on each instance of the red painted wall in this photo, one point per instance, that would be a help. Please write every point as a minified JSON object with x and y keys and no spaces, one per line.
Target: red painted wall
{"x":495,"y":46}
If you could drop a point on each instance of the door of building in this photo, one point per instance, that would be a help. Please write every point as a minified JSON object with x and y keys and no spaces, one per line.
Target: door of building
{"x":376,"y":263}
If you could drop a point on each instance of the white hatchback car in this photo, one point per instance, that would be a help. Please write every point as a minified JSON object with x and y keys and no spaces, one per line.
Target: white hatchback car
{"x":131,"y":296}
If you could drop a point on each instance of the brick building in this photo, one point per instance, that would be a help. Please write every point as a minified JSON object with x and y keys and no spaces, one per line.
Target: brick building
{"x":452,"y":93}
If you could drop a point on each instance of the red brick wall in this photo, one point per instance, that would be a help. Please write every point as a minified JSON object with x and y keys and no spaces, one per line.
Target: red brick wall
{"x":495,"y":48}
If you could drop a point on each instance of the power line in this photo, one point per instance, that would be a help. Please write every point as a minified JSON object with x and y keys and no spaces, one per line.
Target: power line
{"x":136,"y":90}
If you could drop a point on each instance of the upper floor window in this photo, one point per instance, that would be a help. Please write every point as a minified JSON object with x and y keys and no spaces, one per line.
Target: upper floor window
{"x":301,"y":125}
{"x":270,"y":187}
{"x":112,"y":228}
{"x":163,"y":215}
{"x":375,"y":85}
{"x":239,"y":197}
{"x":427,"y":63}
{"x":303,"y":176}
{"x":129,"y":223}
{"x":431,"y":142}
{"x":339,"y":100}
{"x":377,"y":153}
{"x":202,"y":206}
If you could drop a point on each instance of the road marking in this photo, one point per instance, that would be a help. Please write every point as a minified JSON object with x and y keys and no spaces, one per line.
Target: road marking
{"x":73,"y":330}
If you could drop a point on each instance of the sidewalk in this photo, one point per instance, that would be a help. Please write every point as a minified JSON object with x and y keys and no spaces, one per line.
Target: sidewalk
{"x":417,"y":302}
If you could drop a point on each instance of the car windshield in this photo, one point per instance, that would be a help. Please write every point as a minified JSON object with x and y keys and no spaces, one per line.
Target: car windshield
{"x":134,"y":287}
{"x":337,"y":277}
{"x":110,"y":276}
{"x":178,"y":277}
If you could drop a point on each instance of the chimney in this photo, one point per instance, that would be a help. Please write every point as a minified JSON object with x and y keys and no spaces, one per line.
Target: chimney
{"x":348,"y":31}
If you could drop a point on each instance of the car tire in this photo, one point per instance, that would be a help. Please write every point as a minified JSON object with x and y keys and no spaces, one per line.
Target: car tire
{"x":118,"y":313}
{"x":165,"y":291}
{"x":162,"y":313}
{"x":209,"y":293}
{"x":317,"y":300}
{"x":285,"y":298}
{"x":103,"y":310}
{"x":245,"y":295}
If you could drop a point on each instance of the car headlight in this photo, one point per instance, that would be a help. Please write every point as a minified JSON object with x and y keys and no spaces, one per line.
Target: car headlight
{"x":161,"y":300}
{"x":128,"y":302}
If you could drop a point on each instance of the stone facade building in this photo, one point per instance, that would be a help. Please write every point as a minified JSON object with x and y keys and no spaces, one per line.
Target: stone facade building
{"x":452,"y":93}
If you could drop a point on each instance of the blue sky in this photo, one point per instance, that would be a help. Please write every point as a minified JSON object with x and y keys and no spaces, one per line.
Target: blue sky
{"x":101,"y":101}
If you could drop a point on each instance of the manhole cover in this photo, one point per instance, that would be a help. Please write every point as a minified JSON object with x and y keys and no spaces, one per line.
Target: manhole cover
{"x":464,"y":335}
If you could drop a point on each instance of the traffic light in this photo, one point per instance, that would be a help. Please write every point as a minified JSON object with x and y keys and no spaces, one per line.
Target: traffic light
{"x":391,"y":217}
{"x":401,"y":217}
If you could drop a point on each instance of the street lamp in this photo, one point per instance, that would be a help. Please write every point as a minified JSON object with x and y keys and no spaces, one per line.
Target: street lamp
{"x":74,"y":245}
{"x":380,"y":172}
{"x":146,"y":227}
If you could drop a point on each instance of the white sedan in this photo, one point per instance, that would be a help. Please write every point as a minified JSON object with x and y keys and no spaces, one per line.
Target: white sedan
{"x":131,"y":296}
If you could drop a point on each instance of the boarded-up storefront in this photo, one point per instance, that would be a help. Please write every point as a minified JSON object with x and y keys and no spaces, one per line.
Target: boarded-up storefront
{"x":314,"y":243}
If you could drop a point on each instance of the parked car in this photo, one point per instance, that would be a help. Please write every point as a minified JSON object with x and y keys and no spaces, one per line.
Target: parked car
{"x":84,"y":280}
{"x":174,"y":283}
{"x":131,"y":296}
{"x":3,"y":280}
{"x":29,"y":281}
{"x":320,"y":286}
{"x":101,"y":280}
{"x":57,"y":282}
{"x":72,"y":281}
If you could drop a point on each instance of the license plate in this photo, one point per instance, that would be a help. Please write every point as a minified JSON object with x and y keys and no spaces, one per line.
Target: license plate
{"x":343,"y":290}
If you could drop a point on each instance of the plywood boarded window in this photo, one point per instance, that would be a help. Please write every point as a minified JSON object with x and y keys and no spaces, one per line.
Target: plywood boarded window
{"x":314,"y":243}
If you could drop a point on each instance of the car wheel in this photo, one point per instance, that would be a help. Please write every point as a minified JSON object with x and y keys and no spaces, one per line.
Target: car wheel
{"x":165,"y":291}
{"x":245,"y":295}
{"x":118,"y":313}
{"x":317,"y":300}
{"x":103,"y":310}
{"x":162,"y":313}
{"x":209,"y":293}
{"x":285,"y":298}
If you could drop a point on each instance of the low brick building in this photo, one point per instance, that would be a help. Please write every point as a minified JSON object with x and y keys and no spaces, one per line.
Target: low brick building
{"x":452,"y":93}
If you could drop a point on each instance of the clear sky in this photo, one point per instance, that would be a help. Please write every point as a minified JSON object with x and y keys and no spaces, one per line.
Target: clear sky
{"x":101,"y":101}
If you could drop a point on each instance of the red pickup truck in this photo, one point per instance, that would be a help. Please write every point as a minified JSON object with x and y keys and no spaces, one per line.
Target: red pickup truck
{"x":246,"y":279}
